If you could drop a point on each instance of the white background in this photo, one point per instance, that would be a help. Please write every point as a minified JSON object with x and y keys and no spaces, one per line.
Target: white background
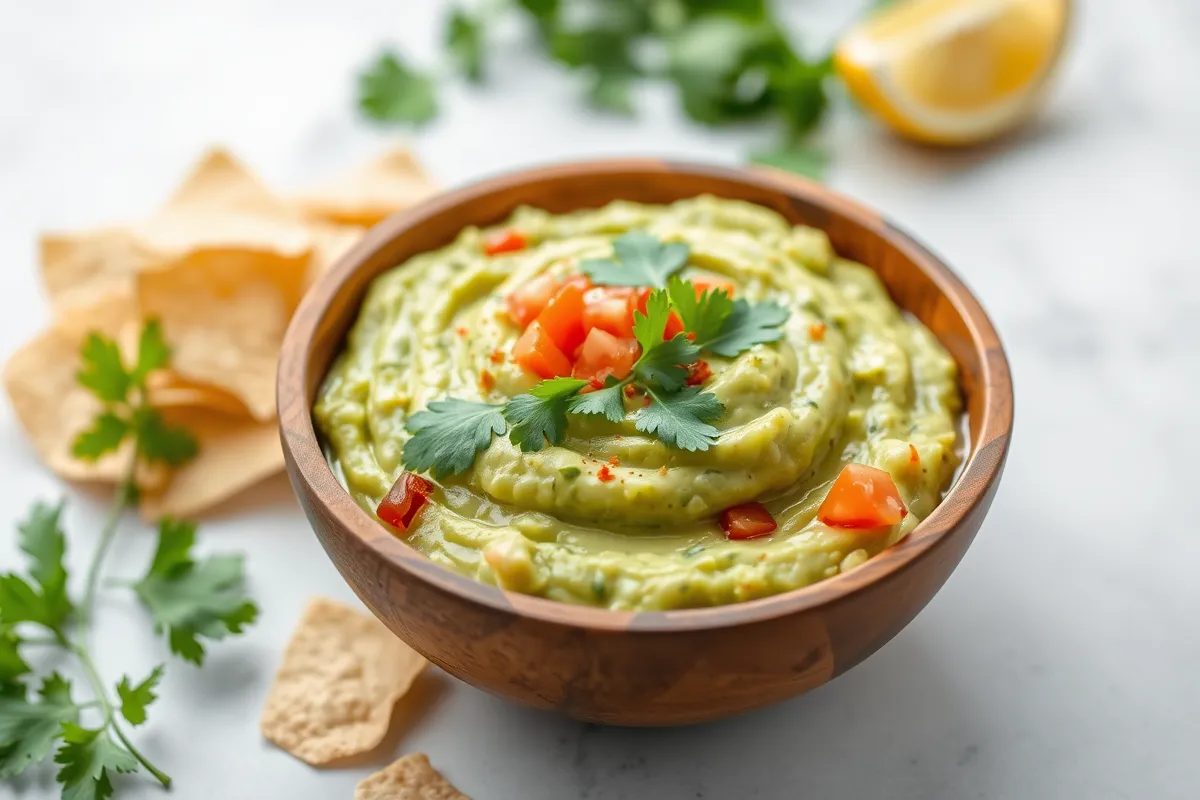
{"x":1060,"y":661}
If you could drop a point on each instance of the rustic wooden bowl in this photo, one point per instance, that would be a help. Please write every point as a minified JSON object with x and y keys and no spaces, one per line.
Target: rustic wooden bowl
{"x":649,"y":668}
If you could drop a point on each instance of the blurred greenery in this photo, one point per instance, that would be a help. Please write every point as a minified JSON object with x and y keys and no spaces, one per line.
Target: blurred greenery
{"x":731,"y":61}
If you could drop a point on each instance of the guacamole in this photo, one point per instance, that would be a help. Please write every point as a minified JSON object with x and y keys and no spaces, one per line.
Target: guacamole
{"x":612,"y":516}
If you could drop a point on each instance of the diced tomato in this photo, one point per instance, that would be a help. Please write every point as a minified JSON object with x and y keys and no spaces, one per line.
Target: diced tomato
{"x":747,"y":521}
{"x":505,"y":241}
{"x":536,"y":352}
{"x":674,"y":323}
{"x":407,"y":496}
{"x":608,"y":308}
{"x":487,"y":381}
{"x":698,"y":373}
{"x":562,"y":318}
{"x":862,"y":497}
{"x":706,"y":284}
{"x":817,"y":331}
{"x":582,"y":281}
{"x":527,"y":301}
{"x":603,"y":355}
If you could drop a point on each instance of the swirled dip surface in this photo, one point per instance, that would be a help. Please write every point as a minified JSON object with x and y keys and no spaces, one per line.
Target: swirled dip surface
{"x":874,"y":386}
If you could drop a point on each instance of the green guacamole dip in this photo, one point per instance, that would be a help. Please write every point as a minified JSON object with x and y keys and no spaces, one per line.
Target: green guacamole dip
{"x":873,"y":386}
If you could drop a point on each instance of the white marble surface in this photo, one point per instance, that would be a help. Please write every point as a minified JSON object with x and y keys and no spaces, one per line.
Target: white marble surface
{"x":1060,"y":661}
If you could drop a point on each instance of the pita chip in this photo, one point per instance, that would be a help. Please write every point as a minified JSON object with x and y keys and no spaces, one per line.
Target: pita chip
{"x":409,"y":778}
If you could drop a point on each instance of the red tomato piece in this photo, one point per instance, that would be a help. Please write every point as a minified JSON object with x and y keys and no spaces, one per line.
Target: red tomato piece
{"x":707,"y":284}
{"x":536,"y":352}
{"x":674,"y":323}
{"x":608,"y":308}
{"x":406,"y":497}
{"x":747,"y":521}
{"x":862,"y":497}
{"x":698,"y":373}
{"x":603,"y":355}
{"x":562,"y":318}
{"x":505,"y":241}
{"x":526,"y":302}
{"x":604,"y":474}
{"x":582,"y":281}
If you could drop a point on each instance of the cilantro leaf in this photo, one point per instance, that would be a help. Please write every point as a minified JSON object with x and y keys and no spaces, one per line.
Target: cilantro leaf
{"x":12,"y":666}
{"x":607,"y":402}
{"x":191,"y":599}
{"x":465,"y":43}
{"x":811,"y":162}
{"x":745,"y":327}
{"x":88,"y":756}
{"x":662,"y":362}
{"x":799,"y":93}
{"x":391,"y":91}
{"x":106,"y":434}
{"x":134,"y":699}
{"x":28,"y":730}
{"x":610,"y":91}
{"x":158,"y":441}
{"x":449,"y":433}
{"x":702,"y":315}
{"x":153,"y":352}
{"x":102,"y":371}
{"x":640,"y":260}
{"x":541,"y":414}
{"x":681,"y":419}
{"x":43,"y":541}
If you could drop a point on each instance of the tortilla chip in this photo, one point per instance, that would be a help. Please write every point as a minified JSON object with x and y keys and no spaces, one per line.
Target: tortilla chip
{"x":341,"y":675}
{"x":166,"y":389}
{"x":80,"y":268}
{"x":53,"y":408}
{"x":224,"y":313}
{"x":372,"y":192}
{"x":234,"y":454}
{"x":221,"y":204}
{"x":331,"y":242}
{"x":409,"y":778}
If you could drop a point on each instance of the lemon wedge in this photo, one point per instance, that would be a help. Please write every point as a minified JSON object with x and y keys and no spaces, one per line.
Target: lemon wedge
{"x":954,"y":71}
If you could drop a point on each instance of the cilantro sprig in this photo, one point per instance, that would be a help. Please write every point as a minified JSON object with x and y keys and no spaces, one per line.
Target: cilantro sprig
{"x":730,"y":61}
{"x":447,"y":437}
{"x":187,"y":598}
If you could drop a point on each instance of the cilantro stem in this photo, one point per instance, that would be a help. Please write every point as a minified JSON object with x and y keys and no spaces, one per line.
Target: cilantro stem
{"x":124,"y":492}
{"x":106,"y":709}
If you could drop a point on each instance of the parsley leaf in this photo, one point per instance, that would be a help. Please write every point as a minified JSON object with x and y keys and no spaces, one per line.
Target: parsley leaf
{"x":134,"y":699}
{"x":158,"y":441}
{"x":391,"y":91}
{"x":745,"y":327}
{"x":681,"y":419}
{"x":608,"y":402}
{"x":662,"y":362}
{"x":43,"y":541}
{"x":106,"y":434}
{"x":191,"y":599}
{"x":702,"y":315}
{"x":87,"y":756}
{"x":28,"y":730}
{"x":101,"y":370}
{"x":12,"y":666}
{"x":153,"y":352}
{"x":541,"y":414}
{"x":465,"y":44}
{"x":640,"y":260}
{"x":448,"y":434}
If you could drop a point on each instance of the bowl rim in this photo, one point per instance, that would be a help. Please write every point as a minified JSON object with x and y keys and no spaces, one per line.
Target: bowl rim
{"x":306,"y":460}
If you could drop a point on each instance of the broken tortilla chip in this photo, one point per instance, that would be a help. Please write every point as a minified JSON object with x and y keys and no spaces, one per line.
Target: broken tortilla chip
{"x":224,"y":313}
{"x":371,"y":192}
{"x":166,"y":389}
{"x":411,"y":777}
{"x":341,"y":675}
{"x":80,"y":268}
{"x":52,"y":406}
{"x":222,"y":204}
{"x":233,"y":455}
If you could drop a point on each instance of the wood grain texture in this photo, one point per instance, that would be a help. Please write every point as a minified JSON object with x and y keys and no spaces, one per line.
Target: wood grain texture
{"x":649,"y":668}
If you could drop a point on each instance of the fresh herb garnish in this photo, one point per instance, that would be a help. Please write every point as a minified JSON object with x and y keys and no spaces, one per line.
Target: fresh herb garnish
{"x":639,"y":259}
{"x":541,"y":414}
{"x":186,"y":598}
{"x":449,"y":433}
{"x":730,"y":61}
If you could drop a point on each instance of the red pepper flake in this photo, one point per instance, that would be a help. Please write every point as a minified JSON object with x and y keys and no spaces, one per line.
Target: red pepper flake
{"x":630,"y":391}
{"x":461,"y":331}
{"x":817,"y":331}
{"x":913,"y":455}
{"x":596,"y":383}
{"x":698,"y":373}
{"x":605,"y":474}
{"x":497,"y":357}
{"x":505,"y":241}
{"x":662,"y":470}
{"x":616,"y":462}
{"x":487,"y":381}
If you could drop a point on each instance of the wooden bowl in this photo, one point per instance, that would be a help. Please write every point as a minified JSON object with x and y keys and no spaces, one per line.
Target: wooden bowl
{"x":646,"y":668}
